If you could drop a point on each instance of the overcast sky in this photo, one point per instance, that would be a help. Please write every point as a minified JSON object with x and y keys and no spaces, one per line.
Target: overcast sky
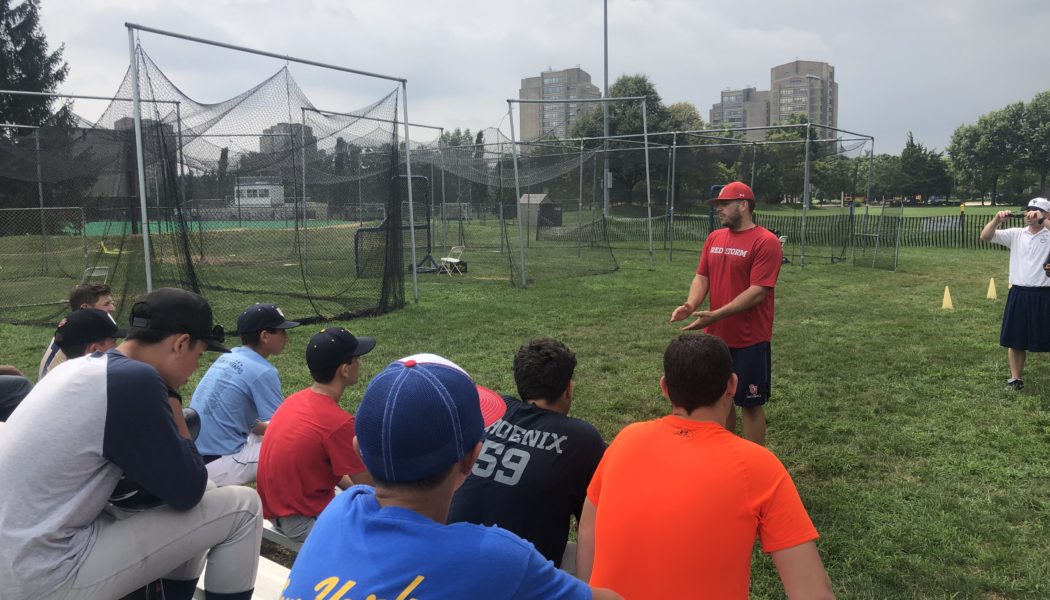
{"x":925,"y":66}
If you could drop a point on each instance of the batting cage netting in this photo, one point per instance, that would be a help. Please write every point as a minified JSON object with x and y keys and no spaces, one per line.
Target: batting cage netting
{"x":258,"y":198}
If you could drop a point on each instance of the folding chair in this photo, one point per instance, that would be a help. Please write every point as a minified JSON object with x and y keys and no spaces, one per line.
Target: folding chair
{"x":452,"y":262}
{"x":96,"y":272}
{"x":784,"y":260}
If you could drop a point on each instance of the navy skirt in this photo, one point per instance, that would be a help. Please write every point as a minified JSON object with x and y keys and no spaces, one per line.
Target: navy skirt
{"x":1026,"y":320}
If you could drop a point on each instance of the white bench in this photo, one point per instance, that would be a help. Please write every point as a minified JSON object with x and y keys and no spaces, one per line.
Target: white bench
{"x":269,"y":582}
{"x":270,"y":533}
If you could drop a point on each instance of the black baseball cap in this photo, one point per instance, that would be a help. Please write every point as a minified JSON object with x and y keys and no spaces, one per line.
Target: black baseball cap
{"x":258,"y":317}
{"x":178,"y":311}
{"x":86,"y":326}
{"x":334,"y":346}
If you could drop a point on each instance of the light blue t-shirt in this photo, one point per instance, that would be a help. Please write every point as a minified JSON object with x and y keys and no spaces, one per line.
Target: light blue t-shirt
{"x":239,"y":389}
{"x":397,"y":553}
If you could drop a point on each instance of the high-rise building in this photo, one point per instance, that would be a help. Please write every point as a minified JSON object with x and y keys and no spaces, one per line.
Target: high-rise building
{"x":806,"y":87}
{"x":801,"y":86}
{"x":748,"y":107}
{"x":557,"y":120}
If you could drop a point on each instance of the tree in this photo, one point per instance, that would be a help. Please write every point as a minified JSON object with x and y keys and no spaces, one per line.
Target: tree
{"x":886,"y":175}
{"x":27,"y":65}
{"x":683,"y":116}
{"x":923,"y":172}
{"x":625,"y":118}
{"x":1035,"y":130}
{"x":999,"y":143}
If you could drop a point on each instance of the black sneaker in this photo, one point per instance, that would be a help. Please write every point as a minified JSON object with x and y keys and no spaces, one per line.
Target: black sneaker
{"x":1014,"y":384}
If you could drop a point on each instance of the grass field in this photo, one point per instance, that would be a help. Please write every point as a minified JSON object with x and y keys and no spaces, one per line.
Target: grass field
{"x":924,"y":477}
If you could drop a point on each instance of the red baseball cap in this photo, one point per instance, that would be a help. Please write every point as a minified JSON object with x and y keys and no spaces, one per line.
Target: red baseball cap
{"x":737,"y":190}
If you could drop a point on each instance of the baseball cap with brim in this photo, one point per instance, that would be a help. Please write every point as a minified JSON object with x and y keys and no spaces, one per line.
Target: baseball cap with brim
{"x":86,"y":326}
{"x":736,"y":190}
{"x":258,"y":317}
{"x":1038,"y":204}
{"x":334,"y":346}
{"x":420,"y":415}
{"x":178,"y":311}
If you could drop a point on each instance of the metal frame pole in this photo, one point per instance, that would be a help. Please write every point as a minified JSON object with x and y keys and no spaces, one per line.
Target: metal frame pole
{"x":517,"y":190}
{"x":40,"y":196}
{"x":135,"y":94}
{"x":648,"y":184}
{"x":441,"y":157}
{"x":411,"y":210}
{"x":754,"y":159}
{"x":667,"y":197}
{"x":306,"y":235}
{"x":579,"y":208}
{"x":674,"y":182}
{"x":181,"y":153}
{"x":805,"y":202}
{"x":283,"y":57}
{"x":605,"y":113}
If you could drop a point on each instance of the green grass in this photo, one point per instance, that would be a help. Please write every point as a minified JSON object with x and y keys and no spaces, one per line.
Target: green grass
{"x":924,"y":477}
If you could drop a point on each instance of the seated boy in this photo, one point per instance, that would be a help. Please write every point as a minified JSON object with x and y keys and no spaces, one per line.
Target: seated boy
{"x":308,"y":448}
{"x":238,"y":395}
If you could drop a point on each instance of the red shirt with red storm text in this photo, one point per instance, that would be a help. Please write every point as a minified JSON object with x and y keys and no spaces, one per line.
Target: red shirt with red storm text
{"x":732,"y":262}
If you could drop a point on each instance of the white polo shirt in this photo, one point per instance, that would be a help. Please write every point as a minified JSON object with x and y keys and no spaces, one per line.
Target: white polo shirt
{"x":1028,"y":253}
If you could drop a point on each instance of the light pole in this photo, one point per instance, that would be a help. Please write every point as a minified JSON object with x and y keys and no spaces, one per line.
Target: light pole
{"x":605,"y":116}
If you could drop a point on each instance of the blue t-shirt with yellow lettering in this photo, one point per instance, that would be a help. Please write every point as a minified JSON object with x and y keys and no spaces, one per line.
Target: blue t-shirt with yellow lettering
{"x":359,"y":549}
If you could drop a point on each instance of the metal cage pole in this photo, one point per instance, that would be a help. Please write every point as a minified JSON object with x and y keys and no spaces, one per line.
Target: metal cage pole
{"x":667,"y":197}
{"x":805,"y":203}
{"x":673,"y":188}
{"x":754,"y":160}
{"x":517,"y":190}
{"x":411,"y":210}
{"x":135,"y":94}
{"x":40,"y":196}
{"x":648,"y":183}
{"x":579,"y":209}
{"x":306,"y":238}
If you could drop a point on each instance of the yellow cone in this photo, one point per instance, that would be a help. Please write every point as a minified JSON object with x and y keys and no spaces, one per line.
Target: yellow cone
{"x":991,"y":289}
{"x":947,"y":303}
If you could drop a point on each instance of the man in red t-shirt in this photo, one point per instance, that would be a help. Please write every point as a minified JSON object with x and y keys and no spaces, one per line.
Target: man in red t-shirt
{"x":308,"y":448}
{"x":739,"y":267}
{"x":686,"y":527}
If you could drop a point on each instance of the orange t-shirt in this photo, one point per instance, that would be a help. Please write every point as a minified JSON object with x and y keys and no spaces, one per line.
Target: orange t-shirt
{"x":679,"y":503}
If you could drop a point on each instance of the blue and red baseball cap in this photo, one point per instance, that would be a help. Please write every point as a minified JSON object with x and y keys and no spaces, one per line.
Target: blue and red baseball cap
{"x":420,"y":415}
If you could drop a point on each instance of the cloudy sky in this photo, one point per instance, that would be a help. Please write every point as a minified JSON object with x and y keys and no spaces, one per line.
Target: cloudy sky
{"x":925,"y":66}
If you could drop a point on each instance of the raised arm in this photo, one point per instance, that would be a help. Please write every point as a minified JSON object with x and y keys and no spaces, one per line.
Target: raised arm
{"x":989,"y":230}
{"x":802,"y":573}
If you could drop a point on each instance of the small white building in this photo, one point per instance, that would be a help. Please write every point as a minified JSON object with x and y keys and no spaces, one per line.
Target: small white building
{"x":259,"y":190}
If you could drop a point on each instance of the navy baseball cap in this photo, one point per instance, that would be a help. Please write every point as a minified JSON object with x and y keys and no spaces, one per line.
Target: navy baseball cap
{"x":334,"y":346}
{"x":258,"y":317}
{"x":86,"y":326}
{"x":178,"y":311}
{"x":420,"y":415}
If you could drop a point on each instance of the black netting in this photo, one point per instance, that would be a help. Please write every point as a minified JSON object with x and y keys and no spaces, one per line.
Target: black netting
{"x":258,"y":198}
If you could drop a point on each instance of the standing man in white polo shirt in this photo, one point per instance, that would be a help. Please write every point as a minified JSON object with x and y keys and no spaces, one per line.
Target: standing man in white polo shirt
{"x":1026,"y":320}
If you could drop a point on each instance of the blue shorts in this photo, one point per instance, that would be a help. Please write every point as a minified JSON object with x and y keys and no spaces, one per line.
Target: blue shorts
{"x":1026,"y":319}
{"x":754,"y":370}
